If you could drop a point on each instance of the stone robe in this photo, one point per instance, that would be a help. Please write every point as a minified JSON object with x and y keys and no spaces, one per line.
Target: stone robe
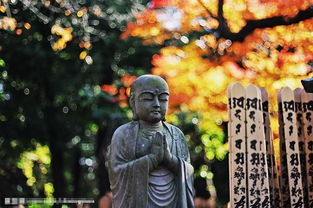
{"x":129,"y":176}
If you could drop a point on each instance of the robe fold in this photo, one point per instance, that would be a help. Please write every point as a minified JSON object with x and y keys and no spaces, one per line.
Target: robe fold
{"x":129,"y":176}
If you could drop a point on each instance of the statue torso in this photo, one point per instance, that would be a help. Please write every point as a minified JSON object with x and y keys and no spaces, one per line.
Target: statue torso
{"x":162,"y":185}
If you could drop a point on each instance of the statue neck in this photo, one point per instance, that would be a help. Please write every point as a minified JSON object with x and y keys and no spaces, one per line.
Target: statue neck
{"x":150,"y":126}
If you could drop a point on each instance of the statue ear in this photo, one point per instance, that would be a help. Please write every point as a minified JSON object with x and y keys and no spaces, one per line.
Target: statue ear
{"x":133,"y":107}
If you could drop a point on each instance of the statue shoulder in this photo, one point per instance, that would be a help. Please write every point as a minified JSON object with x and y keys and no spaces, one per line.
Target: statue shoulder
{"x":124,"y":130}
{"x":175,"y":130}
{"x":178,"y":135}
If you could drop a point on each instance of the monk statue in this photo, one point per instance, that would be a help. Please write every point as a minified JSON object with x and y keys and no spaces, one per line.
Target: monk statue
{"x":148,"y":159}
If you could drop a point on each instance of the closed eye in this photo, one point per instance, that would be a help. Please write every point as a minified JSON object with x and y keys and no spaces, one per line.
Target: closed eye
{"x":146,"y":96}
{"x":163,"y":97}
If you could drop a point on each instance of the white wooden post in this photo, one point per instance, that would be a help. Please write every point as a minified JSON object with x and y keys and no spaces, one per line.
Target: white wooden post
{"x":272,"y":168}
{"x":292,"y":148}
{"x":231,"y":144}
{"x":300,"y":134}
{"x":284,"y":182}
{"x":253,"y":147}
{"x":238,"y":146}
{"x":265,"y":193}
{"x":307,"y":109}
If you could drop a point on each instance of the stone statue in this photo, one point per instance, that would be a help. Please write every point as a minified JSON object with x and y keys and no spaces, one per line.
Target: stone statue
{"x":148,"y":159}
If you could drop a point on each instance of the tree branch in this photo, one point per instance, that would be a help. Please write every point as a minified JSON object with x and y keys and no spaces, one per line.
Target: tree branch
{"x":251,"y":25}
{"x":206,"y":9}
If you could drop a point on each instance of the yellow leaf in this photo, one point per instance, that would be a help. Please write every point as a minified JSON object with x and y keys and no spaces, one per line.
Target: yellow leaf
{"x":82,"y":55}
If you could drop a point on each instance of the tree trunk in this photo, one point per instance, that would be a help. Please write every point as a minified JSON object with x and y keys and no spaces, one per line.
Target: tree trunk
{"x":77,"y":173}
{"x":57,"y":160}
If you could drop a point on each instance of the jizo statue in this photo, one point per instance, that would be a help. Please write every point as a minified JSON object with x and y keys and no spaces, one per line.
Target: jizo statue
{"x":148,"y":159}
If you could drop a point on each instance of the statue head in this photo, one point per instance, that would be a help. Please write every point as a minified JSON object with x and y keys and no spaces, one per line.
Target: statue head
{"x":149,"y":98}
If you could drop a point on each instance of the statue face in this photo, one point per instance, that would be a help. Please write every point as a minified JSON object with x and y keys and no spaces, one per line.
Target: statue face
{"x":151,"y":99}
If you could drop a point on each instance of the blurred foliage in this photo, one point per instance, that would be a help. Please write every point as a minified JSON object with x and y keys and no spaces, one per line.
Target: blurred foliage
{"x":214,"y":43}
{"x":65,"y":76}
{"x":55,"y":120}
{"x":37,"y":162}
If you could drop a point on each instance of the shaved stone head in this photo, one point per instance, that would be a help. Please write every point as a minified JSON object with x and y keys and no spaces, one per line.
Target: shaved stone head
{"x":146,"y":85}
{"x":148,"y":80}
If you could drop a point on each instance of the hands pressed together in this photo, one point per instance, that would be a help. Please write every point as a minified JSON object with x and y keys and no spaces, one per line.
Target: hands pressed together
{"x":160,"y":153}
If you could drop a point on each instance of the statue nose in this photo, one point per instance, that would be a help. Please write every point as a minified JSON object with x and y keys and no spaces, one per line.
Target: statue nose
{"x":156,"y":102}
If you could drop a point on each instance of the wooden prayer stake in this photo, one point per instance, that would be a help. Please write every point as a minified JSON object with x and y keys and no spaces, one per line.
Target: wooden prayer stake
{"x":265,"y":193}
{"x":271,"y":162}
{"x":292,"y":148}
{"x":253,"y":173}
{"x":231,"y":144}
{"x":307,"y":118}
{"x":255,"y":157}
{"x":238,"y":146}
{"x":253,"y":146}
{"x":284,"y":182}
{"x":300,"y":134}
{"x":249,"y":177}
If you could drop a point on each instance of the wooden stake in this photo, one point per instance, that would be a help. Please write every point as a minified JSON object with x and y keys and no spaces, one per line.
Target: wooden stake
{"x":292,"y":148}
{"x":272,"y":169}
{"x":307,"y":109}
{"x":300,"y":134}
{"x":231,"y":144}
{"x":257,"y":193}
{"x":238,"y":148}
{"x":284,"y":182}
